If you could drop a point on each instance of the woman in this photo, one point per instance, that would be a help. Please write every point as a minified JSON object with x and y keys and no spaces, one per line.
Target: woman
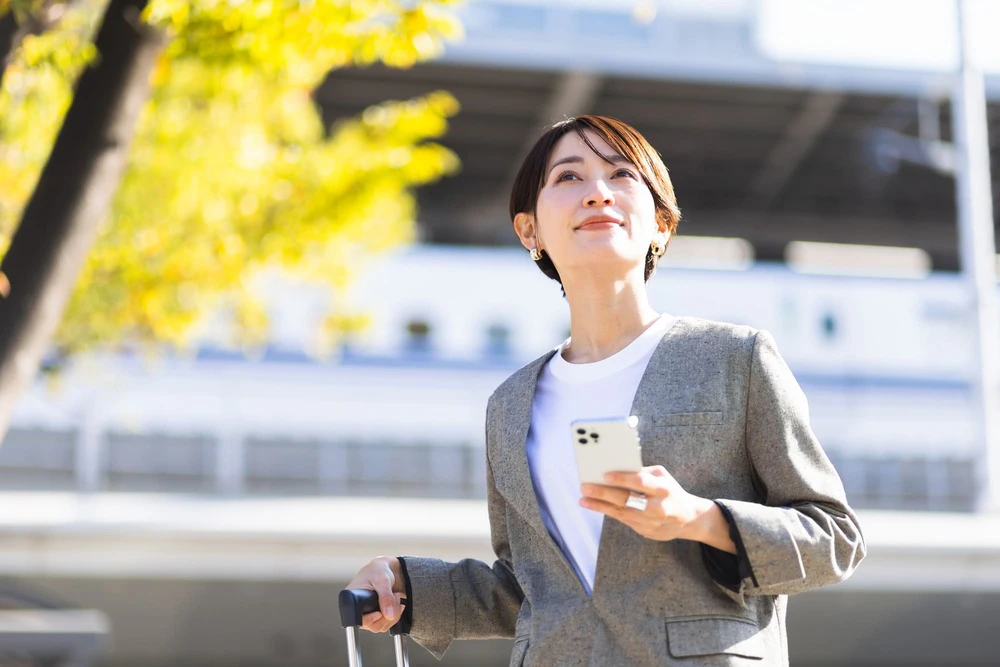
{"x":687,"y":562}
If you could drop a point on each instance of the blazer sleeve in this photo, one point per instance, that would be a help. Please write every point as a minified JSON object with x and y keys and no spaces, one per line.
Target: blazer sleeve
{"x":469,"y":599}
{"x":804,"y":535}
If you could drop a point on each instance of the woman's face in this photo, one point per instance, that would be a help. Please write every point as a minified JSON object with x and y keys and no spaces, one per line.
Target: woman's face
{"x":592,"y":214}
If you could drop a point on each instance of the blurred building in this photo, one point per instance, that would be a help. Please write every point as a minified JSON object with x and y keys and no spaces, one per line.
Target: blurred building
{"x":213,"y":505}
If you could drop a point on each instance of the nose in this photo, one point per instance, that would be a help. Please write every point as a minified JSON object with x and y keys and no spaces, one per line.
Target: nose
{"x":600,"y":195}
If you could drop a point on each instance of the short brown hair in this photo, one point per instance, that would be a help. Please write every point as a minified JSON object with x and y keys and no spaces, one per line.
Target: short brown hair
{"x":623,"y":138}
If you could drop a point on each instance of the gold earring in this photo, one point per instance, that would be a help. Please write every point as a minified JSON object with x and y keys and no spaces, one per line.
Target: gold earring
{"x":536,"y":254}
{"x":658,"y":248}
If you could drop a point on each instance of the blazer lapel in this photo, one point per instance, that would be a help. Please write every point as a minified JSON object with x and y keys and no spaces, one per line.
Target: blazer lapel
{"x":513,"y":474}
{"x":654,"y":389}
{"x":648,"y":402}
{"x":510,"y":458}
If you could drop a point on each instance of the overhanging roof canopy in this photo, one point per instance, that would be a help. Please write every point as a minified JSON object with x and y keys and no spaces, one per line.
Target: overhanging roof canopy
{"x":769,"y":164}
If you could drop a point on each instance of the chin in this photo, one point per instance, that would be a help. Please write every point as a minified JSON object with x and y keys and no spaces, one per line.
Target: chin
{"x":608,"y":256}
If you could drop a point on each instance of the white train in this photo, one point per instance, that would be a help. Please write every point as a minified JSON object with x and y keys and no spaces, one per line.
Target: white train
{"x":884,"y":362}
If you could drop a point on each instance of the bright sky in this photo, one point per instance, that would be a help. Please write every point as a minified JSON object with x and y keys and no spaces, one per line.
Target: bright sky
{"x":898,"y":34}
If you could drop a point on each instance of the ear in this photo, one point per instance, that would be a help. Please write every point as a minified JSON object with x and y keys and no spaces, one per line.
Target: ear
{"x":524,"y":226}
{"x":663,"y":236}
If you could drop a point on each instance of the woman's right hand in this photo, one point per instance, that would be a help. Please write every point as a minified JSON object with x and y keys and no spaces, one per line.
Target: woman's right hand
{"x":384,"y":576}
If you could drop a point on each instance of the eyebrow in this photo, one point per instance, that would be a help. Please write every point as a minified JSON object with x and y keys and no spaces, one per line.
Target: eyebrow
{"x":576,"y":159}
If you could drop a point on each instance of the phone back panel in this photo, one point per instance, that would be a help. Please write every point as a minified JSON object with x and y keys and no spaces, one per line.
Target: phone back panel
{"x":605,"y":445}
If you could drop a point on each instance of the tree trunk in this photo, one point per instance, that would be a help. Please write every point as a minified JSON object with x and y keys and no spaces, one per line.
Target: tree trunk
{"x":8,"y":28}
{"x":73,"y":195}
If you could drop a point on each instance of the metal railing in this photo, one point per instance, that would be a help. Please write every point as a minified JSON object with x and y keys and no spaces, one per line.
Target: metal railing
{"x":192,"y":463}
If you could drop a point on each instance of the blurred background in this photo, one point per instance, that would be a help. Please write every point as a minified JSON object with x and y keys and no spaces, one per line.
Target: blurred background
{"x":259,"y":279}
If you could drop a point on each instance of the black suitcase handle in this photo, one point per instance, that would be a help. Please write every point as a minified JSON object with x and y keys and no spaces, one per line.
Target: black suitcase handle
{"x":356,"y":602}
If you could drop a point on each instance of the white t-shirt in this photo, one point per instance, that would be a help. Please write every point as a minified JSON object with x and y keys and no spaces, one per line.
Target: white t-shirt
{"x":567,"y":392}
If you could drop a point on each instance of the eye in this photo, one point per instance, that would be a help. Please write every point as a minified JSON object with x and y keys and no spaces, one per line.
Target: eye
{"x":561,"y":177}
{"x":627,"y":172}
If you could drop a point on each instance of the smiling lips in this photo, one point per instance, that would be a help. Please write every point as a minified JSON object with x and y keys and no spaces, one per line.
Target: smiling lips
{"x":600,"y":222}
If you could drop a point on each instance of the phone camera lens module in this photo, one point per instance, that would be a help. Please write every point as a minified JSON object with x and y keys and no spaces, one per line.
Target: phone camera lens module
{"x":595,"y":436}
{"x":581,"y":431}
{"x":583,"y":441}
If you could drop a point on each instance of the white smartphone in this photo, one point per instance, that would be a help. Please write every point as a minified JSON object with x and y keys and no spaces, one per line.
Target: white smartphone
{"x":606,"y":445}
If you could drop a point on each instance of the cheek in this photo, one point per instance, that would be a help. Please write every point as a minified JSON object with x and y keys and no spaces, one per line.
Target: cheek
{"x":554,"y":196}
{"x":643,"y":207}
{"x":552,"y":206}
{"x":643,"y":198}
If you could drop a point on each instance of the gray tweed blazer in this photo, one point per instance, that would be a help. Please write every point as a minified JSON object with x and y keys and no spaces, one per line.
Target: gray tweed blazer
{"x":721,"y":411}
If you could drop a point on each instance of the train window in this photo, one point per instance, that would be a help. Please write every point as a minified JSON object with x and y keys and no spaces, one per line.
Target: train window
{"x":418,"y":335}
{"x":829,"y":326}
{"x":498,"y":340}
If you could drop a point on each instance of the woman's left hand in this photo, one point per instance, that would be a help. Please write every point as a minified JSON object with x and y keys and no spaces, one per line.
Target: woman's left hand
{"x":671,"y":512}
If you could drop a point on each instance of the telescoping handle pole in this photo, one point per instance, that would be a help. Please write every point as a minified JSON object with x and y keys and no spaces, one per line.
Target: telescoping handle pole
{"x":355,"y":603}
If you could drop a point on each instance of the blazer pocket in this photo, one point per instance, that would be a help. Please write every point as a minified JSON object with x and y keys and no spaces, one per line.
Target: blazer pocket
{"x":710,"y":418}
{"x":713,"y":635}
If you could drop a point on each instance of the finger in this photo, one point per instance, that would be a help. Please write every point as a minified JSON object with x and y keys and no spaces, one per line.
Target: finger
{"x":631,"y":481}
{"x":597,"y":505}
{"x":637,"y":521}
{"x":658,"y":471}
{"x":381,"y":626}
{"x":623,"y":514}
{"x":650,"y":480}
{"x":379,"y":623}
{"x":387,"y":601}
{"x":617,"y":496}
{"x":371,"y":620}
{"x":387,"y":622}
{"x":610,"y":494}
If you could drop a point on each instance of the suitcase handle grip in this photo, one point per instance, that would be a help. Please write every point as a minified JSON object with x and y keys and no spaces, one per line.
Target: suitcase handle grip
{"x":356,"y":602}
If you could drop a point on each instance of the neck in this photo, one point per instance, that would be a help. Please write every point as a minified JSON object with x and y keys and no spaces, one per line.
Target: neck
{"x":605,"y":316}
